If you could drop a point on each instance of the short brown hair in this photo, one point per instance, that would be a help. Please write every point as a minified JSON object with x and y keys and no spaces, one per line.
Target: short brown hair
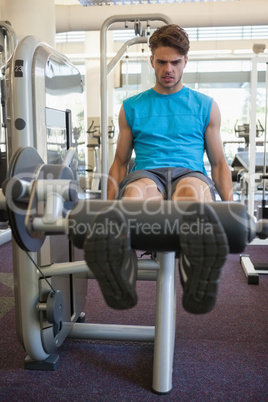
{"x":170,"y":36}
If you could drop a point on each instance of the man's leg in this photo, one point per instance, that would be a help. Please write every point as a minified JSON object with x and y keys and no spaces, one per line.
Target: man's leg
{"x":109,"y":255}
{"x":204,"y":246}
{"x":108,"y":251}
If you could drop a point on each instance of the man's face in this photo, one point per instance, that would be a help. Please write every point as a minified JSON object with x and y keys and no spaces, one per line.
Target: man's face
{"x":168,"y":66}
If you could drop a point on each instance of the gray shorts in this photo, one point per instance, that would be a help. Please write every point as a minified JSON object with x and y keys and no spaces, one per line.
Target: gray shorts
{"x":166,"y":179}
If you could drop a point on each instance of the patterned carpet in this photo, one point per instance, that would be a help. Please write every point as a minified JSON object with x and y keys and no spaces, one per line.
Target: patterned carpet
{"x":221,"y":356}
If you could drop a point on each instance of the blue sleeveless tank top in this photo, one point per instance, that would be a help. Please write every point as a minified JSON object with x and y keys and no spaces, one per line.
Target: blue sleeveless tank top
{"x":168,"y":130}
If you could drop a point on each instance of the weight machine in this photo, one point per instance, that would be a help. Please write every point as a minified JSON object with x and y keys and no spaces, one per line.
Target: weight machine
{"x":48,"y":309}
{"x":40,"y":84}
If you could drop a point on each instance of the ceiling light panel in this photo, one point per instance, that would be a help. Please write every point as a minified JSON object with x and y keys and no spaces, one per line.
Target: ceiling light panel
{"x":139,"y":2}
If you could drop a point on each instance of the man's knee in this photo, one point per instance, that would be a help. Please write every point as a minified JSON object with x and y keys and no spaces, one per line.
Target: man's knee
{"x":142,"y":189}
{"x":192,"y":189}
{"x":134,"y":190}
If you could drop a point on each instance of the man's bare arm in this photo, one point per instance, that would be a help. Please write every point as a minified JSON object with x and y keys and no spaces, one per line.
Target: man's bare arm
{"x":221,"y":174}
{"x":119,"y":167}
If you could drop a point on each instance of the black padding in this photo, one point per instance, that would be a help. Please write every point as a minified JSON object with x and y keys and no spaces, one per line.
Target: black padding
{"x":238,"y":225}
{"x":156,"y":225}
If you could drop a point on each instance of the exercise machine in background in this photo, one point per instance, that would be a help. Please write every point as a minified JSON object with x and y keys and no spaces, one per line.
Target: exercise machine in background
{"x":242,"y":131}
{"x":257,"y":172}
{"x":107,"y":68}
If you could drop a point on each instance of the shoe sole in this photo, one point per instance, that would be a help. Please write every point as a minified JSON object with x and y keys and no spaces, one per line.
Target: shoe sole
{"x":206,"y":248}
{"x":108,"y":252}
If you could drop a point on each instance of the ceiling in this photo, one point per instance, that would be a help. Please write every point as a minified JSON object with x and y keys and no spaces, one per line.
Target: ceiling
{"x":66,"y":2}
{"x":128,"y":2}
{"x":72,"y":16}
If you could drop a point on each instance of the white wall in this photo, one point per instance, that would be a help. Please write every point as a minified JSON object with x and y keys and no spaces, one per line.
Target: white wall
{"x":30,"y":17}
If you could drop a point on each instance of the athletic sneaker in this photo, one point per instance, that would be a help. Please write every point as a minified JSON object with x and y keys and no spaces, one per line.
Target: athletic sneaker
{"x":204,"y":249}
{"x":109,"y":255}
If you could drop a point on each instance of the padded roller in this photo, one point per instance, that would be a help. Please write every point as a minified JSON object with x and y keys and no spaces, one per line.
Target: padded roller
{"x":156,"y":225}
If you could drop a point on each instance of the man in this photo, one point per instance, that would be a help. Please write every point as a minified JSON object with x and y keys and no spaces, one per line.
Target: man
{"x":169,"y":126}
